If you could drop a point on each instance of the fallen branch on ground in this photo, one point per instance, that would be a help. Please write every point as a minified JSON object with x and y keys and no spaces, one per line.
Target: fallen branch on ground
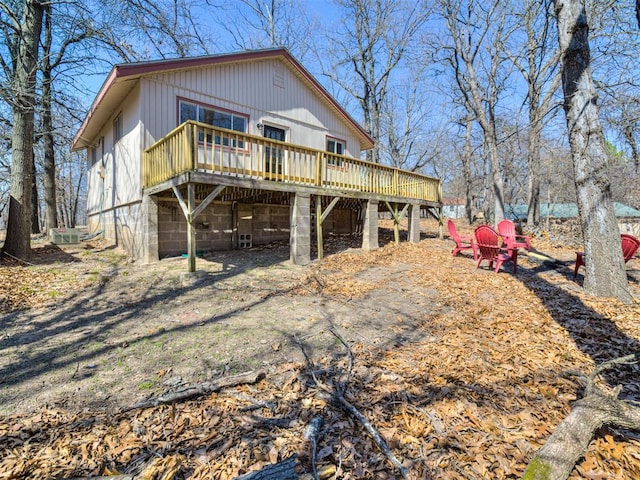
{"x":311,"y":434}
{"x":110,"y":477}
{"x":336,"y":396}
{"x":190,"y":392}
{"x":558,"y":456}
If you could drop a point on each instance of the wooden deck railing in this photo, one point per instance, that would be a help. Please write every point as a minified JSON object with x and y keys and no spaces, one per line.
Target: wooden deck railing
{"x":199,"y":147}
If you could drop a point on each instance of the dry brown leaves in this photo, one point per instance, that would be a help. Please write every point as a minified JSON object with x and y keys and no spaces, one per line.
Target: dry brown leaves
{"x":43,"y":279}
{"x":492,"y":377}
{"x":24,"y":285}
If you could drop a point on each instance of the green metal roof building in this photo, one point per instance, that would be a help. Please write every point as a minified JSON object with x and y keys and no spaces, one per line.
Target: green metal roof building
{"x":565,"y":210}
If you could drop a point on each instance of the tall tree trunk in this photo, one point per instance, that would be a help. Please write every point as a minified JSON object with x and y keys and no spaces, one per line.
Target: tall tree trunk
{"x":47,"y":129}
{"x":533,"y":164}
{"x":605,"y":273}
{"x":76,"y":198}
{"x":497,"y":183}
{"x":540,"y":73}
{"x":466,"y":169}
{"x":35,"y":201}
{"x":480,"y":95}
{"x":18,"y":240}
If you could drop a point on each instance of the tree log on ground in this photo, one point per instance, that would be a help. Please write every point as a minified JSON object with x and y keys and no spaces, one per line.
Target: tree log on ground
{"x":284,"y":470}
{"x":557,"y":458}
{"x":193,"y":391}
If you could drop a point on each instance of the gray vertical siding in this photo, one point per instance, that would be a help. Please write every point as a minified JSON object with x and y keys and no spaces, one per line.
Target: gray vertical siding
{"x":266,"y":91}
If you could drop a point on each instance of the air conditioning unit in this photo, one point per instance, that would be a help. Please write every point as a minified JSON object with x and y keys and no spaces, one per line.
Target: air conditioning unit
{"x":62,"y":236}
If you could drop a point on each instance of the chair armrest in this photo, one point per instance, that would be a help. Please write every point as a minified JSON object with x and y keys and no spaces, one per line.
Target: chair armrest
{"x":525,"y":239}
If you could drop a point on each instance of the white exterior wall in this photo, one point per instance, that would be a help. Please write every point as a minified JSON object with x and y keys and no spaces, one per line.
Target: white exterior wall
{"x":114,"y":179}
{"x":118,"y":164}
{"x":267,"y":91}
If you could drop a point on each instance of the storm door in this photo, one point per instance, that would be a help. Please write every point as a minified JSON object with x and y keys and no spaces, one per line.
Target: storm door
{"x":273,"y":157}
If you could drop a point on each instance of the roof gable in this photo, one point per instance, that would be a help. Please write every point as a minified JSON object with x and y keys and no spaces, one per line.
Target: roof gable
{"x":124,"y":77}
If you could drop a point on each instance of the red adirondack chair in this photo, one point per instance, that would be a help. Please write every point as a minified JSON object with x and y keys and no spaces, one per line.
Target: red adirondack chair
{"x":490,"y":249}
{"x":507,"y":231}
{"x":463,"y":242}
{"x":630,"y":246}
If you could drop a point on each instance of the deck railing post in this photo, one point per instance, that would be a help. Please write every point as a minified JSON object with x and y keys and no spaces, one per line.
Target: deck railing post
{"x":145,"y":168}
{"x":320,"y":160}
{"x":192,"y":146}
{"x":395,"y":182}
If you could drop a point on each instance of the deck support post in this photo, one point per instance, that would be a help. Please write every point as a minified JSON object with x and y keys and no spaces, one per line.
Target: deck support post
{"x":319,"y":226}
{"x":149,"y":215}
{"x":191,"y":231}
{"x":191,"y":212}
{"x":414,"y":223}
{"x":397,"y":216}
{"x":187,"y":210}
{"x":300,"y":235}
{"x":320,"y":218}
{"x":370,"y":227}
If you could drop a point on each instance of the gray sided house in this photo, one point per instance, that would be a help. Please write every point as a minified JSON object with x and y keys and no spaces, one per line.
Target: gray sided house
{"x":229,"y":151}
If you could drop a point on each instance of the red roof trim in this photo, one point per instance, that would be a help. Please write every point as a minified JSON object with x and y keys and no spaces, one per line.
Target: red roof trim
{"x":94,"y":106}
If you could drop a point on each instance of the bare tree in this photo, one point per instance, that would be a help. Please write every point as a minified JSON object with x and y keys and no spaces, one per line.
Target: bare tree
{"x":605,"y":270}
{"x":71,"y":181}
{"x":537,"y":61}
{"x":407,"y":141}
{"x":268,"y":24}
{"x":20,"y":71}
{"x":477,"y":36}
{"x":467,"y":158}
{"x":141,"y":29}
{"x":514,"y":145}
{"x":5,"y":170}
{"x":369,"y":50}
{"x":76,"y":29}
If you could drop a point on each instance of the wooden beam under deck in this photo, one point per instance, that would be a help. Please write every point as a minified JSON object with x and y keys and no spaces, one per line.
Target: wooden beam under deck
{"x":275,"y":186}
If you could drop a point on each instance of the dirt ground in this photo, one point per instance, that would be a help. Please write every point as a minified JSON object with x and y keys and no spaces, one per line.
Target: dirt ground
{"x":104,"y":332}
{"x":444,"y":353}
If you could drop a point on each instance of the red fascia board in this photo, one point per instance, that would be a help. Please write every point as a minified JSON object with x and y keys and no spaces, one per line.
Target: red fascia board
{"x":143,"y":68}
{"x":94,"y":106}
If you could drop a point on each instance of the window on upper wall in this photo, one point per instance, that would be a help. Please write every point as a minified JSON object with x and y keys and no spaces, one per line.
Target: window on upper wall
{"x":215,"y":118}
{"x":117,"y":129}
{"x":93,"y":155}
{"x":335,"y":146}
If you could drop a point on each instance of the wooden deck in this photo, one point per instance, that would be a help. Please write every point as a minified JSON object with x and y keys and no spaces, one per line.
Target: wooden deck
{"x":201,"y":151}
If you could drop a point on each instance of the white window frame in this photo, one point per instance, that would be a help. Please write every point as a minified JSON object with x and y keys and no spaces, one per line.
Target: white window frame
{"x":333,"y":145}
{"x":117,"y":128}
{"x":204,"y":111}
